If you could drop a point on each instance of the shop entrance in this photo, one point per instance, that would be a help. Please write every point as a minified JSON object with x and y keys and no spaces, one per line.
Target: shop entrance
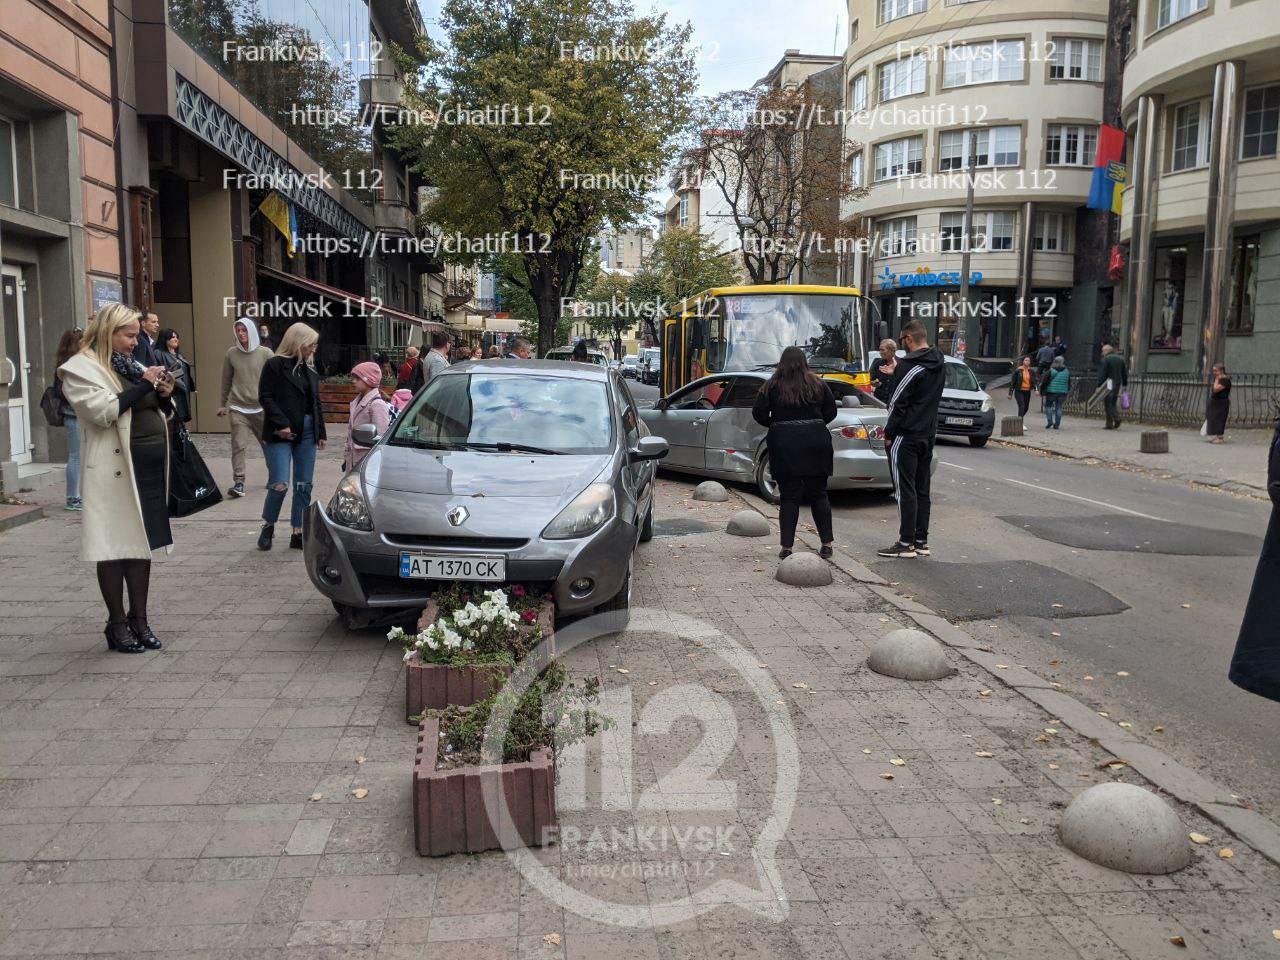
{"x":15,"y":348}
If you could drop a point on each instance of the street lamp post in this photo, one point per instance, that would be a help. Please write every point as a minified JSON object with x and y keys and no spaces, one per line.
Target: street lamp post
{"x":966,"y":315}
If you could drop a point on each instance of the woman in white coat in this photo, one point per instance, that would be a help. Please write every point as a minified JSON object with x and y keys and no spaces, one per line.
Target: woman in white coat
{"x":124,"y":413}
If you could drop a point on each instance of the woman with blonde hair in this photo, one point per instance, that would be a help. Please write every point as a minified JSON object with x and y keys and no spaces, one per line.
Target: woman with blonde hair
{"x":123,"y":411}
{"x":293,"y":428}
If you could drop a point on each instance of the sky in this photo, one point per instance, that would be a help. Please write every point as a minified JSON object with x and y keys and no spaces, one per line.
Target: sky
{"x":739,"y":40}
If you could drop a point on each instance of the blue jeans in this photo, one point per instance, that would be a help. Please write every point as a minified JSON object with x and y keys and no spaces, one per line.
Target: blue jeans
{"x":302,"y":455}
{"x":73,"y":457}
{"x":1053,"y":408}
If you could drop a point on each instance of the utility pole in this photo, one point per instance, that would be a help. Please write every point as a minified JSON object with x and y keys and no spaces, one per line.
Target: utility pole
{"x":966,"y":315}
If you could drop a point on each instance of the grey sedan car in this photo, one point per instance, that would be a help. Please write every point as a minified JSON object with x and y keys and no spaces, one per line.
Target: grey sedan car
{"x":711,"y":432}
{"x":498,"y":471}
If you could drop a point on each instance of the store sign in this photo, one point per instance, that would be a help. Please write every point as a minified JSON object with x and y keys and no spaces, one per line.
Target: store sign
{"x":924,"y":277}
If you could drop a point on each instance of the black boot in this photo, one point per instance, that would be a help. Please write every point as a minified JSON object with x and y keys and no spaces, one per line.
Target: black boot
{"x":295,"y":541}
{"x":121,"y":639}
{"x":143,"y":633}
{"x":264,"y":538}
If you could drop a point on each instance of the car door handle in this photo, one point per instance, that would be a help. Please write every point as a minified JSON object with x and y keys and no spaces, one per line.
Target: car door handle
{"x":699,"y":422}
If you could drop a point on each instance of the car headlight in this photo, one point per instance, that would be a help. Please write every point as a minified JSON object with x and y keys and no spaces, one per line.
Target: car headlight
{"x":348,"y":506}
{"x":589,"y":511}
{"x":987,"y":405}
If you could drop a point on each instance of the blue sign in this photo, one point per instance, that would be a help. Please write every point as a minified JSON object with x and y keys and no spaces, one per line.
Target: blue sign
{"x":898,"y":281}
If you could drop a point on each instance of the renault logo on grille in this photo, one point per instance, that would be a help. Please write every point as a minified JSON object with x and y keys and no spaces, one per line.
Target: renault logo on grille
{"x":458,"y":516}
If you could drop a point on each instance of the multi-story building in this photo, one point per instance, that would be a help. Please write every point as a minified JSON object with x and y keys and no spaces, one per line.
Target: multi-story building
{"x":1019,"y":84}
{"x":60,"y":208}
{"x":698,"y":203}
{"x":624,"y":249}
{"x":256,"y":177}
{"x":1201,"y":103}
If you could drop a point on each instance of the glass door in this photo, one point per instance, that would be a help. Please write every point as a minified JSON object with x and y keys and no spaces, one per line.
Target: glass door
{"x":15,"y":348}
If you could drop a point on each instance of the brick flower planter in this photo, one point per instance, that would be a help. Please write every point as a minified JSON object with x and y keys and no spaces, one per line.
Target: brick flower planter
{"x":434,"y":686}
{"x":450,"y":812}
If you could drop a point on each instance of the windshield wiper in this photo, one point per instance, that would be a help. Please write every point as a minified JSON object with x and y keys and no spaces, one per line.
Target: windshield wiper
{"x":425,"y":444}
{"x":511,"y":448}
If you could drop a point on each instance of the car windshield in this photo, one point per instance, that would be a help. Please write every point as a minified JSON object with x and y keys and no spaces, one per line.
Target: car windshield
{"x":960,"y":377}
{"x":750,"y":331}
{"x":509,"y":411}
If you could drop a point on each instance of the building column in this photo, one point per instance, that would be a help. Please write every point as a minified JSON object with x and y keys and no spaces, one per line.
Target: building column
{"x":1026,"y":263}
{"x":1220,"y":210}
{"x":213,"y":282}
{"x":1137,"y":311}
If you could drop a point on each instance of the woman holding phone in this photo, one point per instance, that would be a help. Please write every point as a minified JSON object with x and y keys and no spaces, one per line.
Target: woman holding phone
{"x":124,"y":412}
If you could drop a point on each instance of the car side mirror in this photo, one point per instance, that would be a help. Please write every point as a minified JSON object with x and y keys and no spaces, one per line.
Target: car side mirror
{"x":850,"y":400}
{"x":365,"y":435}
{"x":648,"y":448}
{"x":661,"y":403}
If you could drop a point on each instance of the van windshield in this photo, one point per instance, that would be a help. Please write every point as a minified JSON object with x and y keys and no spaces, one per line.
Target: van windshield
{"x":959,"y":377}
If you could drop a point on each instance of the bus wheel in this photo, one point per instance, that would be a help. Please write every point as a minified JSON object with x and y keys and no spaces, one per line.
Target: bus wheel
{"x":765,"y":483}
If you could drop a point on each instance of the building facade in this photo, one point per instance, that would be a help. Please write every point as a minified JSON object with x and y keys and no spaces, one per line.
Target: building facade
{"x":60,"y":211}
{"x":1017,"y":84}
{"x":1201,"y":104}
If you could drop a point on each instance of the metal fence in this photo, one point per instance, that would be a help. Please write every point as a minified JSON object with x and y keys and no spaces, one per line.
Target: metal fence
{"x":1179,"y":399}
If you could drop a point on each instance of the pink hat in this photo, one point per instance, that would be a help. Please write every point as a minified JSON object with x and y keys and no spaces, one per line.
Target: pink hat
{"x":400,"y":399}
{"x":369,"y":372}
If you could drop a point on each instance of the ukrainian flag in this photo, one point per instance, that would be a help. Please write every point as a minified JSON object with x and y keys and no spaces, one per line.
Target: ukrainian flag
{"x":1109,"y":171}
{"x":283,"y":217}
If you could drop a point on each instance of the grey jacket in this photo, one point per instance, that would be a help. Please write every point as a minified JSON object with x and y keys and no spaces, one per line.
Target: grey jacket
{"x":433,"y":364}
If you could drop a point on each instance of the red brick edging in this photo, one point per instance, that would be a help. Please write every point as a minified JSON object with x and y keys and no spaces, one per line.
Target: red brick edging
{"x":451,"y":808}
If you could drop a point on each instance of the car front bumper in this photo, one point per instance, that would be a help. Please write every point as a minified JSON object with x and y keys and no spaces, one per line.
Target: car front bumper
{"x":362,"y":569}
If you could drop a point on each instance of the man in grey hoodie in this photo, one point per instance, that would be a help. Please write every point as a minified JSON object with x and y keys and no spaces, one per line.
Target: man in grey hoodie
{"x":241,"y":371}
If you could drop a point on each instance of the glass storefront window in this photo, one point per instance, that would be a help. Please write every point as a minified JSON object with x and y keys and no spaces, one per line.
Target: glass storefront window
{"x":1169,"y":294}
{"x":1244,"y":285}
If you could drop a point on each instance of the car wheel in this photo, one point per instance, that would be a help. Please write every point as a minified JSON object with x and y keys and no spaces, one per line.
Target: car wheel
{"x":353,"y":618}
{"x":646,"y":529}
{"x":616,"y":614}
{"x":978,"y":441}
{"x":765,"y":483}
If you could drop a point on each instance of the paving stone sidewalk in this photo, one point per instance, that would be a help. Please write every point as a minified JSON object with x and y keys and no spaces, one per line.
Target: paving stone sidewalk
{"x":157,"y":805}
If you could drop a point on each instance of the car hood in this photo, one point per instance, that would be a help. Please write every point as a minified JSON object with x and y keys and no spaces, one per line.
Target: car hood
{"x":473,"y":473}
{"x":951,"y":393}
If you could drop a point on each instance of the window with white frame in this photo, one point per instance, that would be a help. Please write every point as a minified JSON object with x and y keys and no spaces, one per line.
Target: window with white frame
{"x":8,"y":163}
{"x":901,"y":78}
{"x":898,"y":237}
{"x":1171,"y":11}
{"x":1075,"y":58}
{"x":899,"y":158}
{"x":1070,"y":145}
{"x":858,"y":93}
{"x":996,"y":147}
{"x":1051,"y":232}
{"x":993,"y":61}
{"x":1190,"y":136}
{"x":855,"y":170}
{"x":991,"y":230}
{"x":683,"y":215}
{"x":893,"y":9}
{"x":1261,"y":123}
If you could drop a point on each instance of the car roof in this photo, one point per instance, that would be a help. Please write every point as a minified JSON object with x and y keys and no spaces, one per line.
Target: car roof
{"x":559,"y":368}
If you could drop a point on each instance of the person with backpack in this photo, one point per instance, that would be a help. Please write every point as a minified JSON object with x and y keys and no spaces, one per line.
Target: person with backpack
{"x":1053,"y":387}
{"x":369,"y":406}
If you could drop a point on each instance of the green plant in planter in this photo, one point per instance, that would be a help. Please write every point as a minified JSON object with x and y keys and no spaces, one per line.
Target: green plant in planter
{"x":471,"y":633}
{"x":554,"y":713}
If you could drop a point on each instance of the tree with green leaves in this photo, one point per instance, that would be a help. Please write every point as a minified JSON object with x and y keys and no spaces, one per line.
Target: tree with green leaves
{"x":549,"y":118}
{"x":610,"y":309}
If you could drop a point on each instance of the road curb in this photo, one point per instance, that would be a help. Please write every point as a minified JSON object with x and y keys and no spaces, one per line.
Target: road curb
{"x":1230,"y":486}
{"x":1156,"y":766}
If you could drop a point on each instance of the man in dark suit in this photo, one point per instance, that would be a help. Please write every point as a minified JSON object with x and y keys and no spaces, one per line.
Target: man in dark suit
{"x":145,"y":351}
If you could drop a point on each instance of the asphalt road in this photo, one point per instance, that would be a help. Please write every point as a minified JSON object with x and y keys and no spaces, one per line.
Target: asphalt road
{"x":1075,"y":570}
{"x":1151,"y":577}
{"x":643,"y":391}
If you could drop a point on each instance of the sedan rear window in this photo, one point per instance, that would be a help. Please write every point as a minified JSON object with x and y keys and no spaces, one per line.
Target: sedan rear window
{"x":498,"y":411}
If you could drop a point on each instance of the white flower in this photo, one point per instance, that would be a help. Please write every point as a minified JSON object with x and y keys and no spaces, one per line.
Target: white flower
{"x":410,"y":655}
{"x":396,"y":635}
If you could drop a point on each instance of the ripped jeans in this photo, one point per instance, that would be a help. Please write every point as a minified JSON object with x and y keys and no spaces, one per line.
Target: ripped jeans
{"x":302,"y":455}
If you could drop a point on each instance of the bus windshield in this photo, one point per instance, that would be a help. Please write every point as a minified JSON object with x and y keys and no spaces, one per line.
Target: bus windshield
{"x":750,"y":331}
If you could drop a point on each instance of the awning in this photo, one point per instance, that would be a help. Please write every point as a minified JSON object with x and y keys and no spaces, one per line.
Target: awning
{"x":353,"y":304}
{"x":503,"y":324}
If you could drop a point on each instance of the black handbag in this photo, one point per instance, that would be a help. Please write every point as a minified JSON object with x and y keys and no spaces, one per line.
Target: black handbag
{"x":51,"y":403}
{"x":191,"y":485}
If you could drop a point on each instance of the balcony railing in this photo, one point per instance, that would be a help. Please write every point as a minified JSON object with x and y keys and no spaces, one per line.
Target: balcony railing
{"x":380,"y":97}
{"x":393,"y":216}
{"x":458,"y":292}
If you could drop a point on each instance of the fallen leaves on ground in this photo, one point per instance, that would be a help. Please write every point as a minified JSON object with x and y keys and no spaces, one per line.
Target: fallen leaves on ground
{"x":1002,"y":666}
{"x":1113,"y":764}
{"x":983,"y":753}
{"x":1158,"y":728}
{"x":1122,"y":673}
{"x":898,"y":762}
{"x":1198,"y":838}
{"x":1056,"y":606}
{"x":997,"y":801}
{"x":984,"y":693}
{"x":552,"y":938}
{"x":866,"y":750}
{"x":361,"y":759}
{"x":360,"y":793}
{"x":1178,"y":941}
{"x":316,"y":796}
{"x":1186,"y":606}
{"x":1103,"y":713}
{"x":623,"y":670}
{"x":1042,"y":739}
{"x":1056,"y":633}
{"x":1050,"y":729}
{"x":1126,"y":724}
{"x":1087,"y":677}
{"x":1226,"y":853}
{"x":886,"y":776}
{"x":1054,"y":766}
{"x":801,"y":686}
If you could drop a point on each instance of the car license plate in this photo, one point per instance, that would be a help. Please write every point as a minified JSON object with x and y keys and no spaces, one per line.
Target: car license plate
{"x":429,"y":566}
{"x":960,"y":421}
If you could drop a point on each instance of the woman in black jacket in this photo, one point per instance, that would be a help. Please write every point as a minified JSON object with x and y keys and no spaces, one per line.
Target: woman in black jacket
{"x":1256,"y":664}
{"x":796,"y":407}
{"x":293,"y":429}
{"x":169,"y":353}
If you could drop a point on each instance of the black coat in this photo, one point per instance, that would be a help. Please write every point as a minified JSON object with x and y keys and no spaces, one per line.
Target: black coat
{"x":1256,"y":664}
{"x":288,"y":392}
{"x":799,"y":441}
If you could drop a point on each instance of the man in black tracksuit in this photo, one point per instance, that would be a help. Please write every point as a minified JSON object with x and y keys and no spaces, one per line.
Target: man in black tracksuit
{"x":908,"y":437}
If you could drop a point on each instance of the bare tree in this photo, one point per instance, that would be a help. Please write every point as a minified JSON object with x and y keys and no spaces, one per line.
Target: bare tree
{"x":779,"y":157}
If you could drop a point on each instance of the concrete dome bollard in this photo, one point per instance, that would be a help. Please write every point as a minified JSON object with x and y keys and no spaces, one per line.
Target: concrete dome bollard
{"x":909,"y":655}
{"x":1125,"y":827}
{"x":747,"y":523}
{"x":710,"y":490}
{"x":804,"y":570}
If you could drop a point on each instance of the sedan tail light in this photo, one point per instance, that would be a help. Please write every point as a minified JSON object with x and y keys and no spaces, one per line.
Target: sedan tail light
{"x":859,"y":432}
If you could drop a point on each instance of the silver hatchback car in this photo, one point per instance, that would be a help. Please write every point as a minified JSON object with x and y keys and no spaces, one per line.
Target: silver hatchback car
{"x":499,"y":471}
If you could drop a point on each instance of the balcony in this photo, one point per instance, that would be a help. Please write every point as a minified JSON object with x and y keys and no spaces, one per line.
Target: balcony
{"x":458,"y":293}
{"x":485,"y":305}
{"x":380,"y":97}
{"x":393,"y":216}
